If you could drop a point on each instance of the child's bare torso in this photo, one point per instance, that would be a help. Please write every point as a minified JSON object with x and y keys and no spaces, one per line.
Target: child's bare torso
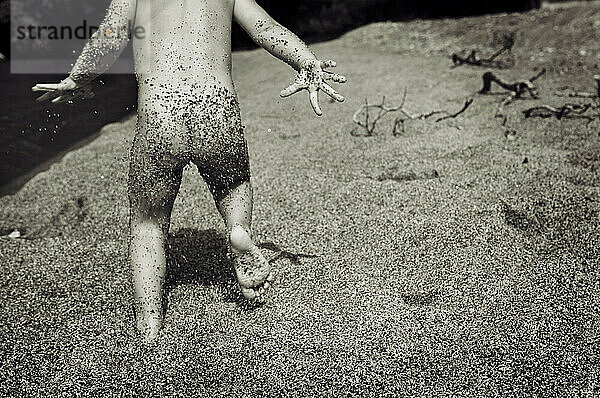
{"x":183,"y":40}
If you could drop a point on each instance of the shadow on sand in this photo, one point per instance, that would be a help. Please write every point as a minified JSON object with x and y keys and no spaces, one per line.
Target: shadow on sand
{"x":201,"y":257}
{"x":198,"y":256}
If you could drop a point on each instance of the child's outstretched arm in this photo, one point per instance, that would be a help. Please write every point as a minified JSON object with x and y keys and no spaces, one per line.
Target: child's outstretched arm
{"x":286,"y":46}
{"x":98,"y":55}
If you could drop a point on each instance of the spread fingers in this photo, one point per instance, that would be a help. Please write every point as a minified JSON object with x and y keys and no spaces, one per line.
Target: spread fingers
{"x":292,"y":89}
{"x":335,"y":77}
{"x":327,"y":89}
{"x":314,"y":101}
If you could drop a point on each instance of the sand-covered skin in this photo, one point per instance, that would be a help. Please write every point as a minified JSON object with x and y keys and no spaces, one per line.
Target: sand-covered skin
{"x":483,"y":281}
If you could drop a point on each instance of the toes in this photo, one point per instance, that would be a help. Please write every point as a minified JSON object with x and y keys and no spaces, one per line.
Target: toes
{"x":46,"y":96}
{"x":292,"y":89}
{"x":314,"y":102}
{"x":253,"y":293}
{"x":327,"y":89}
{"x":335,"y":77}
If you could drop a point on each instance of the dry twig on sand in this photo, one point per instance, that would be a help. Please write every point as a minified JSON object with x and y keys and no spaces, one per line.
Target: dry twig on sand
{"x":580,"y":94}
{"x":516,"y":89}
{"x":490,"y":62}
{"x":369,"y":122}
{"x":565,"y":111}
{"x":569,"y":110}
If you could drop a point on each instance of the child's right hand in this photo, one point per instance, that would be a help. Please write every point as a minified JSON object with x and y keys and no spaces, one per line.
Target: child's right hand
{"x":65,"y":91}
{"x":313,"y":77}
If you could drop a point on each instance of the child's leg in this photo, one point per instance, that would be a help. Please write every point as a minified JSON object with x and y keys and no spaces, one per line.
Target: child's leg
{"x":236,"y":206}
{"x":221,"y":154}
{"x":153,"y":186}
{"x":253,"y":271}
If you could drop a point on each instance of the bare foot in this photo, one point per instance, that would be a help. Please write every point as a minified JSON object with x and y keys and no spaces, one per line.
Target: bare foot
{"x":252,"y":269}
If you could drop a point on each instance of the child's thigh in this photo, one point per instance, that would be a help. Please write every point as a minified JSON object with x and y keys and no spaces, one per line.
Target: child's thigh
{"x":222,"y":158}
{"x":217,"y":143}
{"x":224,"y":170}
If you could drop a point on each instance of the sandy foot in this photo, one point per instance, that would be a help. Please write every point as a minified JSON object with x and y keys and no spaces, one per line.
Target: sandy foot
{"x":252,"y":269}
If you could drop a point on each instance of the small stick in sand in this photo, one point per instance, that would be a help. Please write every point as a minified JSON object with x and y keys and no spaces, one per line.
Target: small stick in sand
{"x":368,"y":124}
{"x":569,"y":110}
{"x":565,"y":111}
{"x":580,"y":94}
{"x":516,"y":90}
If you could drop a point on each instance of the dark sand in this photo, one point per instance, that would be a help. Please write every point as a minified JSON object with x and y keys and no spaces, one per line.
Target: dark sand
{"x":482,"y":281}
{"x":33,"y":135}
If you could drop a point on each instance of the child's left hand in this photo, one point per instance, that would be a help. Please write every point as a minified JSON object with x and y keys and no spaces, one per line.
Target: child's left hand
{"x":66,"y":90}
{"x":312,"y":77}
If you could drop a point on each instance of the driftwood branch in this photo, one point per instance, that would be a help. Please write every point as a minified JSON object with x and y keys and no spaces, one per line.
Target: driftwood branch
{"x":580,"y":94}
{"x":570,"y":110}
{"x":453,"y":115}
{"x":490,"y":62}
{"x":368,"y":122}
{"x":566,"y":111}
{"x":517,"y":89}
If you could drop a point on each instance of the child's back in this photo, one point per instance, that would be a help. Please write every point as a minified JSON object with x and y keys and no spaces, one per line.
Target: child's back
{"x":184,"y":39}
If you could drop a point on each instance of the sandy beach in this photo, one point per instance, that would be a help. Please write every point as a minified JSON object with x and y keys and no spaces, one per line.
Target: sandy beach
{"x":449,"y":259}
